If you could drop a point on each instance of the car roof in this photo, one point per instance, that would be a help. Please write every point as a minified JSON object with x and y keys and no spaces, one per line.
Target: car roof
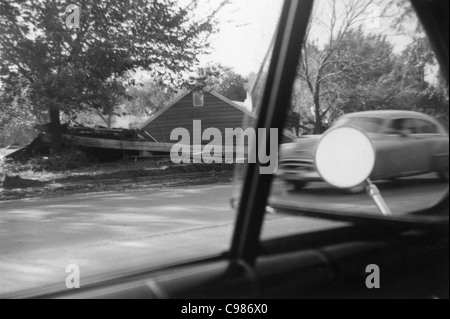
{"x":391,"y":115}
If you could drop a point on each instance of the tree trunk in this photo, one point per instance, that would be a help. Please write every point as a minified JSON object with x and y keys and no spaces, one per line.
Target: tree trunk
{"x":55,"y":128}
{"x":318,"y":116}
{"x":109,"y":121}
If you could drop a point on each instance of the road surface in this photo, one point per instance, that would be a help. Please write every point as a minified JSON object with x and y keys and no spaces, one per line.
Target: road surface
{"x":115,"y":232}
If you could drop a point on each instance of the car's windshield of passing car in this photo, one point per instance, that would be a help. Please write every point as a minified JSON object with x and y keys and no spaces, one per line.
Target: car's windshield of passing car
{"x":366,"y":124}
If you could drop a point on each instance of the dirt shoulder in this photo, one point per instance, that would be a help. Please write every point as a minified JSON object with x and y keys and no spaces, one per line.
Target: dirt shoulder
{"x":120,"y":176}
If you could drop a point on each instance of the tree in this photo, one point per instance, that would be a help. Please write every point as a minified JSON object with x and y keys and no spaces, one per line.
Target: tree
{"x":419,"y":92}
{"x":317,"y":67}
{"x":73,"y":69}
{"x":363,"y":79}
{"x":414,"y":91}
{"x":219,"y":78}
{"x":358,"y":79}
{"x":146,"y":98}
{"x":17,"y":115}
{"x":104,"y":99}
{"x":233,"y":86}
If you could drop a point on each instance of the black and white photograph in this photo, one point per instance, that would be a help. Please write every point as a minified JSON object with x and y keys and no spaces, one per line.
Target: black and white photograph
{"x":224,"y":153}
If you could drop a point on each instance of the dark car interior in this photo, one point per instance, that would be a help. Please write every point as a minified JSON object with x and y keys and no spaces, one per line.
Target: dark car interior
{"x":412,"y":253}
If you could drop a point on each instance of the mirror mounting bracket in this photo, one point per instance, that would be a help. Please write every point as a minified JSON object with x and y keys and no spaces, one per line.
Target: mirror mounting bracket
{"x":374,"y":192}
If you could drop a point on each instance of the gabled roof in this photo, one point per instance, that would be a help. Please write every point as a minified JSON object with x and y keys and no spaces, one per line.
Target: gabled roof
{"x":178,"y":98}
{"x":240,"y":108}
{"x":182,"y":95}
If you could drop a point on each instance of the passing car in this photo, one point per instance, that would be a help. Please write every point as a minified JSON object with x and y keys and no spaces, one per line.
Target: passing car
{"x":406,"y":143}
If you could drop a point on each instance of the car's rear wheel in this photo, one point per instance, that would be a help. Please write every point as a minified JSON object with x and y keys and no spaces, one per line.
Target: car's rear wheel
{"x":443,"y":175}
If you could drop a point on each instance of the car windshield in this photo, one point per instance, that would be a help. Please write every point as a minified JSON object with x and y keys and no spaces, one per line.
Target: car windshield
{"x":127,"y":128}
{"x":366,"y":65}
{"x":366,"y":124}
{"x":106,"y":112}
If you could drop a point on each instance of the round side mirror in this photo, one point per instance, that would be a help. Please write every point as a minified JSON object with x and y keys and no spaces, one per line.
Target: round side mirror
{"x":345,"y":157}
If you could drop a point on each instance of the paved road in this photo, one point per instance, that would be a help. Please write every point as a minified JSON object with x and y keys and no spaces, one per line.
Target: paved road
{"x":123,"y":231}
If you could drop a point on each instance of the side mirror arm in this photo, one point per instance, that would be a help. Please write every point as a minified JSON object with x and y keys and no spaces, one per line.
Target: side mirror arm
{"x":375,"y":194}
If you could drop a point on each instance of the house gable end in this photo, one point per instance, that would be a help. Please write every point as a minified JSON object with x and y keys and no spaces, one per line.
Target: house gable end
{"x":217,"y":112}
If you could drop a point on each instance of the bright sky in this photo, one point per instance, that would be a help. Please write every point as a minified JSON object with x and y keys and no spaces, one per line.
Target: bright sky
{"x":247,"y":26}
{"x":246,"y":30}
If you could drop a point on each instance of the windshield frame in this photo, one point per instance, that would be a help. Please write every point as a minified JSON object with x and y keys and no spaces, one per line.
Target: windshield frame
{"x":252,"y":210}
{"x":246,"y":244}
{"x":293,"y":25}
{"x":423,"y":219}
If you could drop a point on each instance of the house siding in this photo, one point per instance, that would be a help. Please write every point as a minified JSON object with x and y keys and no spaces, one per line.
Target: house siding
{"x":215,"y":113}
